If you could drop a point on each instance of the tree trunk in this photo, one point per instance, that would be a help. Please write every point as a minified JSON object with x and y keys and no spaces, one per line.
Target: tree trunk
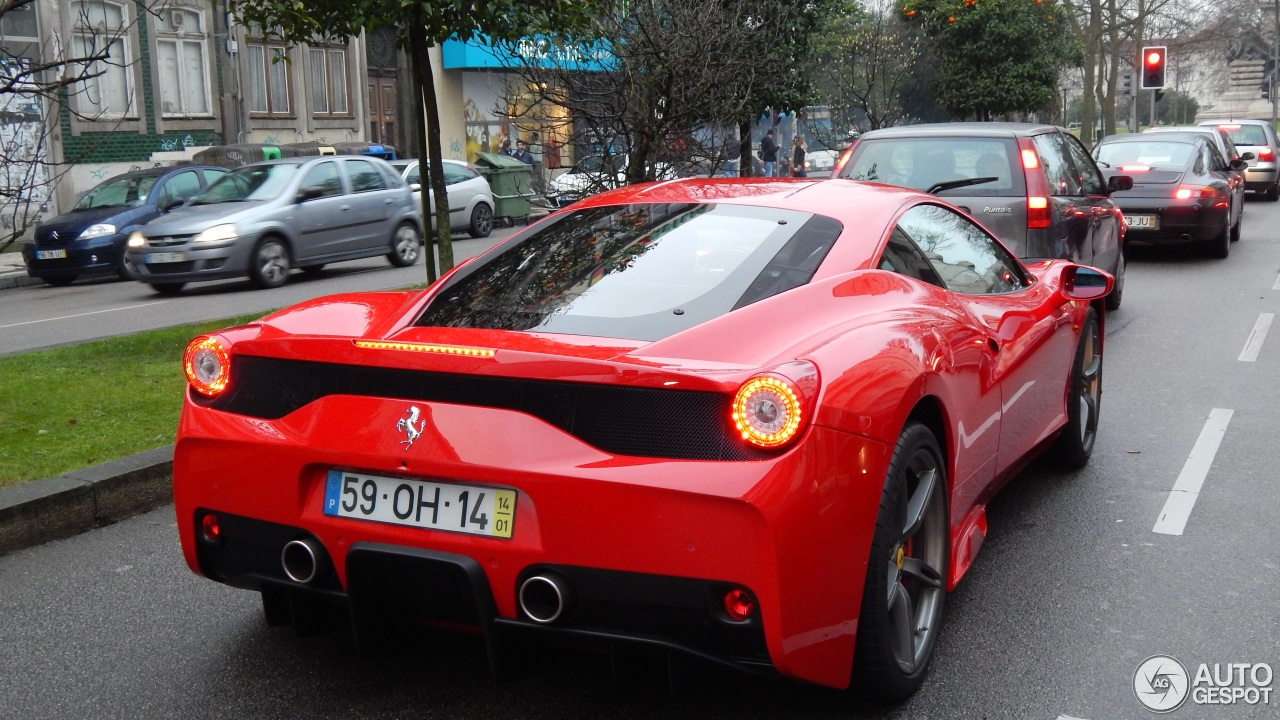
{"x":429,"y":155}
{"x":744,"y":150}
{"x":1113,"y":70}
{"x":1088,"y":100}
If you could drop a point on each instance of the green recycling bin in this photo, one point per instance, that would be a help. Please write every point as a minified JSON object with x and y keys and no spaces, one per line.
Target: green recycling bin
{"x":510,"y":182}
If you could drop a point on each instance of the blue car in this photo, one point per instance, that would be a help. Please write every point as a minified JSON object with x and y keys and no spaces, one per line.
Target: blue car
{"x":90,"y":239}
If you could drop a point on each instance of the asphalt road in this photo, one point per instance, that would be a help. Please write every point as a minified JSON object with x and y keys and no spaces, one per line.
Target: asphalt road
{"x":1071,"y":592}
{"x":40,"y":316}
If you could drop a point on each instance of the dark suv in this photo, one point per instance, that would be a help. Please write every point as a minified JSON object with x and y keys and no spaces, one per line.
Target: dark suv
{"x":1034,"y":186}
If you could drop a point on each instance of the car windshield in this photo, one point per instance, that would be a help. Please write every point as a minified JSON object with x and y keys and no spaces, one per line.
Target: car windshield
{"x":1146,"y":153}
{"x":639,"y":272}
{"x":921,"y":163}
{"x":126,"y":191}
{"x":1246,"y":134}
{"x":254,"y":182}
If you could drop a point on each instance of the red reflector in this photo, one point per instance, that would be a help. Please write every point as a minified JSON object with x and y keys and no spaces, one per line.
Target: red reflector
{"x":739,"y":604}
{"x":1135,"y":168}
{"x":1030,"y":160}
{"x":209,"y":525}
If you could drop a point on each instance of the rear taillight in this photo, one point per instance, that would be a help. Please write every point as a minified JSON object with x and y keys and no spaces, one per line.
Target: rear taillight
{"x":207,"y":365}
{"x":1135,"y":168}
{"x":844,"y":160}
{"x":1266,"y":155}
{"x":1039,"y":213}
{"x":1186,"y":192}
{"x":772,"y":408}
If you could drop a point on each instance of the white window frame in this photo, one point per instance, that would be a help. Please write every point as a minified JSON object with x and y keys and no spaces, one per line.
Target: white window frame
{"x":80,"y":32}
{"x":269,"y":49}
{"x":321,"y":57}
{"x":182,"y":40}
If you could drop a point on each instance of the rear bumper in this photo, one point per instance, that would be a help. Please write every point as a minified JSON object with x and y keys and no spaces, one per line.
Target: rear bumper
{"x":648,"y":545}
{"x":1185,"y":222}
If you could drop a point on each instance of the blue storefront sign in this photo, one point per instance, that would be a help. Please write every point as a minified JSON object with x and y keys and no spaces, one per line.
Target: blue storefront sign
{"x":540,"y":52}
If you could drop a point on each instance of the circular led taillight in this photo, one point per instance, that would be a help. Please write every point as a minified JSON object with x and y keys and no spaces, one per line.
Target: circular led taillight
{"x":766,"y":411}
{"x":738,"y":604}
{"x":207,"y":365}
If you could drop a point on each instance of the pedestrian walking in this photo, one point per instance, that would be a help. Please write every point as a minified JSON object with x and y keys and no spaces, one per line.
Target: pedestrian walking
{"x":768,"y":153}
{"x":797,"y":157}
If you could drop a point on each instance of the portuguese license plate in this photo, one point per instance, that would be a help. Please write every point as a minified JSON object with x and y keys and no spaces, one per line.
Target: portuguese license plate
{"x":470,"y":509}
{"x":1143,"y":222}
{"x":50,"y":254}
{"x":166,"y":257}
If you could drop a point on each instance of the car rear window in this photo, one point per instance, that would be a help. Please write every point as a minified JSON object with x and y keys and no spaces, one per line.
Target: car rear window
{"x":1146,"y":153}
{"x":637,"y":272}
{"x":920,"y":163}
{"x":1246,"y":134}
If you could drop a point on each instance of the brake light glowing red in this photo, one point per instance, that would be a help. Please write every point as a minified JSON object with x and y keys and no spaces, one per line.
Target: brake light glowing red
{"x":1030,"y":161}
{"x":1038,"y":213}
{"x":1229,"y":127}
{"x":1186,"y":192}
{"x":1135,"y":168}
{"x":1267,"y":154}
{"x":739,"y":605}
{"x":207,"y":365}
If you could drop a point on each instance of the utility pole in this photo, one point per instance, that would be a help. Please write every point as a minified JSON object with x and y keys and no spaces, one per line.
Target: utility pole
{"x":1275,"y":60}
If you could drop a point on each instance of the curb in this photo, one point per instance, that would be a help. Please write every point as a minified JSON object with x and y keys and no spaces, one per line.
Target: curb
{"x":16,"y":281}
{"x":56,"y":508}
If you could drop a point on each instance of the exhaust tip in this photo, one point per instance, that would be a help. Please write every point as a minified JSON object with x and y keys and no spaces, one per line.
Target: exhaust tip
{"x":304,"y":560}
{"x":543,"y":598}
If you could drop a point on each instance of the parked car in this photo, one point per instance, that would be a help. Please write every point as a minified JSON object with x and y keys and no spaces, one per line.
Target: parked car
{"x":1182,"y":189}
{"x":470,"y":198}
{"x":820,"y":163}
{"x":1034,"y":186}
{"x":756,"y":423}
{"x":90,"y":239}
{"x":1226,"y":147}
{"x":262,"y":220}
{"x":596,"y":174}
{"x":1257,"y":137}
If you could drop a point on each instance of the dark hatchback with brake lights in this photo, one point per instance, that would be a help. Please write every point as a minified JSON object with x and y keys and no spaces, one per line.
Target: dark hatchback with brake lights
{"x":1182,"y":189}
{"x":1033,"y":185}
{"x":90,"y":239}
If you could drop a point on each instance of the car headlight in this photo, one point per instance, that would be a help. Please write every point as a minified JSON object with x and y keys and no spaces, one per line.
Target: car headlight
{"x":99,"y":230}
{"x":136,"y":239}
{"x":217,"y":233}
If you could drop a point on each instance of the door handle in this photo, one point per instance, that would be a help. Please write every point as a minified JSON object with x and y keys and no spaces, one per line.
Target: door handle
{"x":345,"y":208}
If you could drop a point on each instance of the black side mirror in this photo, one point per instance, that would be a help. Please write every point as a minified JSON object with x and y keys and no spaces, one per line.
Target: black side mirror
{"x":309,"y":193}
{"x":1238,"y":164}
{"x":1119,"y":183}
{"x":1248,"y":156}
{"x":171,"y":203}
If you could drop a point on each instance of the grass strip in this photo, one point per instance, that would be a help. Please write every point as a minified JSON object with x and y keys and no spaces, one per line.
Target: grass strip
{"x":66,"y":408}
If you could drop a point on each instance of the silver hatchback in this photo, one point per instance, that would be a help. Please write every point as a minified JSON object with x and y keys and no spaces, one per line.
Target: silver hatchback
{"x":1259,"y":138}
{"x":262,"y":220}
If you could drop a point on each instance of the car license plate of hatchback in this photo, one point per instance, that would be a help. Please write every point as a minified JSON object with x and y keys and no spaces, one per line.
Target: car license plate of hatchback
{"x":166,"y":257}
{"x":1143,"y":222}
{"x":50,"y":254}
{"x":470,"y":509}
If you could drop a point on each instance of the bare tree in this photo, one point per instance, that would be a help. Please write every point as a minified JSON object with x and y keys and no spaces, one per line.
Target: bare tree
{"x":38,"y":81}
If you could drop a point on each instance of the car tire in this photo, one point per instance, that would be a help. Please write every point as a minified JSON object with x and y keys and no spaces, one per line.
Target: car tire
{"x":1084,"y":398}
{"x":1220,"y":246}
{"x":168,"y":288}
{"x":1273,"y":192}
{"x":59,"y":280}
{"x":906,"y":580}
{"x":406,"y":245}
{"x":125,"y":268}
{"x":481,"y":221}
{"x":1235,"y":229}
{"x":270,"y":263}
{"x":1116,"y":296}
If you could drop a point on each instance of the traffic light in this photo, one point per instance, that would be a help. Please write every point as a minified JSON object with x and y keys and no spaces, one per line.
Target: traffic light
{"x":1126,"y":84}
{"x":1153,"y":61}
{"x":1265,"y":87}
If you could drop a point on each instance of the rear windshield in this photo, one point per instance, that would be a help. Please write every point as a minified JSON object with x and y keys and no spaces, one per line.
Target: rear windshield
{"x":1246,"y":134}
{"x":920,"y":163}
{"x":1145,"y":153}
{"x":637,"y":272}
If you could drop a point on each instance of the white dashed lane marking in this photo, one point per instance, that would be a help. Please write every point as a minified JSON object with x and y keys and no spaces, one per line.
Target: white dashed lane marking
{"x":1177,"y":509}
{"x":83,"y":314}
{"x":1253,"y":345}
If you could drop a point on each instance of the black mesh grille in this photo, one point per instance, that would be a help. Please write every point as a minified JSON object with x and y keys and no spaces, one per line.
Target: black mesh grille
{"x":646,"y":422}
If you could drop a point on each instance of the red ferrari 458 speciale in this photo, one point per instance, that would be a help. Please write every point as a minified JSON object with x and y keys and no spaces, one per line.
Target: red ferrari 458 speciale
{"x":752,"y":421}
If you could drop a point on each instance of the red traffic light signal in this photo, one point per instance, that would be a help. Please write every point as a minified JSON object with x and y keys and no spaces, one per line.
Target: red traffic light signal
{"x":1153,"y":66}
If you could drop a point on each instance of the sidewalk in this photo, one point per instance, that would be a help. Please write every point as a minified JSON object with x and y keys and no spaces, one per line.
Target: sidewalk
{"x":13,"y":273}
